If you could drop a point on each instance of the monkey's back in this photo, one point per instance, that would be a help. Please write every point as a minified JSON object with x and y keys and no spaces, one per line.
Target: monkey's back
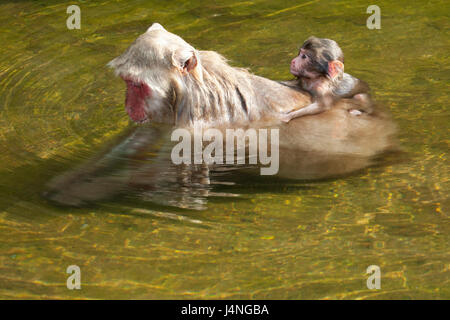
{"x":350,"y":86}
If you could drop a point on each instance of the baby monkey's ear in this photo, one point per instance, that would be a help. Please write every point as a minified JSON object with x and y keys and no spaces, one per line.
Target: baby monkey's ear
{"x":335,"y":69}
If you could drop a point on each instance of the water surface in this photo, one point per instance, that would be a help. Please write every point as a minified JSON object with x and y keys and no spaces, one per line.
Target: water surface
{"x":242,"y":237}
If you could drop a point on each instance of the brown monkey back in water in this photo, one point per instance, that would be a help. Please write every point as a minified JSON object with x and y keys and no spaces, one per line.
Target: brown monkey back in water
{"x":216,"y":94}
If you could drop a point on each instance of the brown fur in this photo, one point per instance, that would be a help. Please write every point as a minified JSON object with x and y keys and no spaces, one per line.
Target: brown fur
{"x":217,"y":94}
{"x":319,"y":68}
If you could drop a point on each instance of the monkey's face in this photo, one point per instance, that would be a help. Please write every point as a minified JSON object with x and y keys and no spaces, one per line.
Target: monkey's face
{"x":303,"y":65}
{"x":154,"y":68}
{"x":318,"y":58}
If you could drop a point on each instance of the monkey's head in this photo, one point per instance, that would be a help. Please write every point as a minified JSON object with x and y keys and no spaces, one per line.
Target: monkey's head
{"x":318,"y":58}
{"x":153,"y":68}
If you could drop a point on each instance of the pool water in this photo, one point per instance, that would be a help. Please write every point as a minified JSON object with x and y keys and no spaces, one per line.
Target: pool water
{"x":62,"y":116}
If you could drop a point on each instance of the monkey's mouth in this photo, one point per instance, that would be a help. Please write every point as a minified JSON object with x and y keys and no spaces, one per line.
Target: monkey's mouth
{"x":135,"y":101}
{"x":294,"y":72}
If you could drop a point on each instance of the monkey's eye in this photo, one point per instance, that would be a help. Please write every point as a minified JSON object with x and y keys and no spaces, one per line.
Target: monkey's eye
{"x":303,"y":56}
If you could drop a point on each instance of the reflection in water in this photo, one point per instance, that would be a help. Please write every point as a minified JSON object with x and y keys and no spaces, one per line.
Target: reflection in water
{"x":139,"y":164}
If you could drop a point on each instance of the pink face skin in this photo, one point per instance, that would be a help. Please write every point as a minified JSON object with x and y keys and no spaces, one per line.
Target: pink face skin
{"x":299,"y":64}
{"x":135,"y":101}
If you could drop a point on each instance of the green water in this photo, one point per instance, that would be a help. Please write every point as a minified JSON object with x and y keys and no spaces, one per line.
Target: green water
{"x":60,"y":105}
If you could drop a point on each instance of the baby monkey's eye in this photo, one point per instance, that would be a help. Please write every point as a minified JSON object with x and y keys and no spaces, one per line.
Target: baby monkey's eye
{"x":303,"y":56}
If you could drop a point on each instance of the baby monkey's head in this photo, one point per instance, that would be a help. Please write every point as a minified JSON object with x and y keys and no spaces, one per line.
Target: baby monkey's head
{"x":318,"y":58}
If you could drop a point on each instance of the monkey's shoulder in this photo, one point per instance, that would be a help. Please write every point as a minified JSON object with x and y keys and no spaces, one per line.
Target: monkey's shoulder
{"x":350,"y":86}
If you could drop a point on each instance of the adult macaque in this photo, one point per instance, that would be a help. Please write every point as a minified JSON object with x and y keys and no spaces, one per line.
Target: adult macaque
{"x":319,"y":68}
{"x":169,"y":81}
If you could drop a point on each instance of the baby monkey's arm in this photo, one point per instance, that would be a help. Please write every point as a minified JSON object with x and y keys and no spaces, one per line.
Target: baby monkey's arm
{"x":354,"y":91}
{"x":359,"y":104}
{"x":312,"y":108}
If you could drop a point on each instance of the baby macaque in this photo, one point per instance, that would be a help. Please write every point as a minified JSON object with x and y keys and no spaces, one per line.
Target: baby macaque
{"x":319,"y":68}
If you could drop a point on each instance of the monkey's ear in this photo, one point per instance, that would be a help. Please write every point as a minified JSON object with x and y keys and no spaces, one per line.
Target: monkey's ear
{"x":187,"y":62}
{"x":190,"y":64}
{"x":335,"y":68}
{"x":155,"y":26}
{"x":184,"y":60}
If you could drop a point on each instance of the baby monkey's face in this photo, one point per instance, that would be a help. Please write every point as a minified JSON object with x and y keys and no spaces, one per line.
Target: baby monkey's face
{"x":303,"y":65}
